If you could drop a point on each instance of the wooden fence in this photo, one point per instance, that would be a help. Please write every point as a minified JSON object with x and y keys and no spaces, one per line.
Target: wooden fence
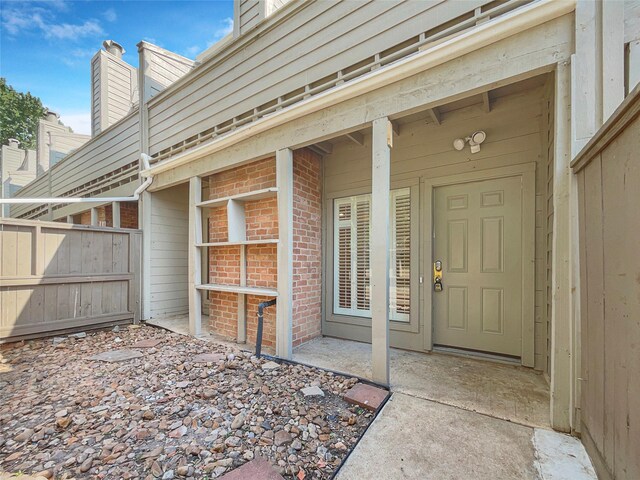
{"x":608,"y":174}
{"x":57,"y":277}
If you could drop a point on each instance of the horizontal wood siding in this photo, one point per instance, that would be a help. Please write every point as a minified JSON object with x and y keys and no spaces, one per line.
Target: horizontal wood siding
{"x":318,"y":40}
{"x":96,"y":110}
{"x":608,"y":177}
{"x":249,"y":14}
{"x":59,"y":277}
{"x":169,"y":252}
{"x":161,"y":70}
{"x":514,"y":132}
{"x":111,"y":150}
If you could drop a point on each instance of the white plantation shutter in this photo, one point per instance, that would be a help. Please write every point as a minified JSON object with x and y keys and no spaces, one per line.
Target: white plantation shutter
{"x":400,"y":258}
{"x":352,"y":255}
{"x":363,"y":248}
{"x":344,"y":250}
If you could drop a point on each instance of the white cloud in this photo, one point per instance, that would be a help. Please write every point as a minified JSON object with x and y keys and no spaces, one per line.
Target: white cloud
{"x":110,"y":15}
{"x":68,"y":31}
{"x":18,"y":17}
{"x":80,"y":122}
{"x":225,"y":29}
{"x":192,"y":51}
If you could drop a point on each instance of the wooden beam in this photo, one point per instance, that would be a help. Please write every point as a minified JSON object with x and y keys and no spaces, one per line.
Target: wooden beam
{"x":434,"y":113}
{"x":284,"y":307}
{"x":613,"y":68}
{"x":195,"y":260}
{"x":356,"y":137}
{"x":561,"y":377}
{"x":486,"y":102}
{"x":115,"y":214}
{"x":634,"y":64}
{"x":395,"y":126}
{"x":325,"y":147}
{"x":382,"y":140}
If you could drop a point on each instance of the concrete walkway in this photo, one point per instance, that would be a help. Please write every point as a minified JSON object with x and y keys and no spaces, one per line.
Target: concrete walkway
{"x":454,"y":417}
{"x":413,"y":438}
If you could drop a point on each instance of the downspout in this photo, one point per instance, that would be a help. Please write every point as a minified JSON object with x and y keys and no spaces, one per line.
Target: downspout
{"x":261,"y":307}
{"x":144,"y":158}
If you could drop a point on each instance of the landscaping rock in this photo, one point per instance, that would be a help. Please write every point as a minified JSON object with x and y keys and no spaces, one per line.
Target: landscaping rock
{"x":176,"y":413}
{"x":312,"y":391}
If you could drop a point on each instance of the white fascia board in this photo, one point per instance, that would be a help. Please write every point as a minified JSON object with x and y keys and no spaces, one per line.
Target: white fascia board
{"x":510,"y":24}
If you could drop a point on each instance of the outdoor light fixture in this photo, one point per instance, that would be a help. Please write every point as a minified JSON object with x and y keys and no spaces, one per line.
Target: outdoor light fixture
{"x":474,"y":140}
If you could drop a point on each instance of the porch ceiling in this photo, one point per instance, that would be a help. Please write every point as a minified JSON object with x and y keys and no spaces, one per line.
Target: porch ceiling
{"x":434,"y":115}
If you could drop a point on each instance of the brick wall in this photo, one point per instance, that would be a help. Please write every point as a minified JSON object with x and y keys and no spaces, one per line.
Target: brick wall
{"x":307,"y":246}
{"x":262,"y":223}
{"x":224,"y":262}
{"x":128,"y":216}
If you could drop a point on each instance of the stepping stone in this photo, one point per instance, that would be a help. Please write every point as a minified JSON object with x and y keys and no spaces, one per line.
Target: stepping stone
{"x":367,"y":396}
{"x":258,"y":469}
{"x":209,"y":358}
{"x":313,"y":391}
{"x":270,"y":365}
{"x":148,"y":343}
{"x":116,"y":356}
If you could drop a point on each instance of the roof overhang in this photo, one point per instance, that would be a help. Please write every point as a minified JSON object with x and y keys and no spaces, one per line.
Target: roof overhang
{"x":510,"y":24}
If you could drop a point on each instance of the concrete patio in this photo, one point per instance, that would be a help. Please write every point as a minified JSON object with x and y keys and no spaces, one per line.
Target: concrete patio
{"x":519,"y":395}
{"x":453,"y":417}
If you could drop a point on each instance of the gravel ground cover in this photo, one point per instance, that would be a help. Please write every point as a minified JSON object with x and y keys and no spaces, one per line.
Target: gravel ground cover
{"x":182,"y":408}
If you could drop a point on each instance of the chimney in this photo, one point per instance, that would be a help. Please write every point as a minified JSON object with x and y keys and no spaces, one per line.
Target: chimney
{"x":114,"y":48}
{"x":12,"y":142}
{"x":52,"y":116}
{"x":114,"y":85}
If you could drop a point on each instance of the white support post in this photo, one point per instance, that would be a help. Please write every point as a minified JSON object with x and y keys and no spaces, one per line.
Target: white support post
{"x":382,"y":142}
{"x":115,"y":214}
{"x":94,"y":216}
{"x":69,"y":218}
{"x":634,"y":64}
{"x":284,"y":305}
{"x":561,"y":376}
{"x":612,"y":57}
{"x":195,"y":260}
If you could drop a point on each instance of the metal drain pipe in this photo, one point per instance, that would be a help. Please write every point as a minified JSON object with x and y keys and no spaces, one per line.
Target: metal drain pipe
{"x":144,"y":158}
{"x":261,"y":307}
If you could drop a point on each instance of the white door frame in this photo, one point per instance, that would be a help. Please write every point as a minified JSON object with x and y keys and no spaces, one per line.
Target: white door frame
{"x":527,"y":172}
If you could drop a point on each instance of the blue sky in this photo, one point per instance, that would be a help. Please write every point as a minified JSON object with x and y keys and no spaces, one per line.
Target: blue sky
{"x":46,"y":46}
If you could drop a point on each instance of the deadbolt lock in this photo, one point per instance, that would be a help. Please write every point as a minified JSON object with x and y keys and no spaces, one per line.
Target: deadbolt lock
{"x":437,"y":276}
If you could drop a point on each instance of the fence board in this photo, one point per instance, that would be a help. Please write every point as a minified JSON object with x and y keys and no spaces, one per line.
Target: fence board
{"x":608,"y":171}
{"x":56,"y":277}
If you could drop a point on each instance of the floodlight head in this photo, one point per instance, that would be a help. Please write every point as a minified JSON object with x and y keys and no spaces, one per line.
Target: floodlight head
{"x":458,"y":143}
{"x":478,"y":137}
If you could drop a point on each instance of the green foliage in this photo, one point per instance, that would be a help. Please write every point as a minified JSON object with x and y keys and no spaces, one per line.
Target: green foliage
{"x":19,"y":115}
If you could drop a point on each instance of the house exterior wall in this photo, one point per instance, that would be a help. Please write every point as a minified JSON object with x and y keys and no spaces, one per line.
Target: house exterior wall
{"x":320,"y":43}
{"x":114,"y":89}
{"x":261,"y":260}
{"x":307,"y":246}
{"x":514,"y":130}
{"x":55,"y":141}
{"x":169,"y":251}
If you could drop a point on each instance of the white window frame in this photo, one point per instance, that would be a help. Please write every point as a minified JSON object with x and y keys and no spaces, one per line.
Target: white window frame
{"x":352,"y":223}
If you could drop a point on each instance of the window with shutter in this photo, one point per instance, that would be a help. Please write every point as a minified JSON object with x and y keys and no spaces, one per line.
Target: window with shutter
{"x":352,"y":251}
